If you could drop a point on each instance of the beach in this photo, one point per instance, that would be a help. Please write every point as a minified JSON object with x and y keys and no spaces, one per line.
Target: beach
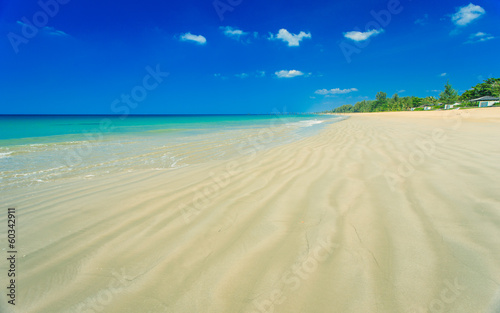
{"x":380,"y":212}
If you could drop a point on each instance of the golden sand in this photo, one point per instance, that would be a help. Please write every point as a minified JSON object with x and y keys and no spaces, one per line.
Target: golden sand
{"x":384,"y":212}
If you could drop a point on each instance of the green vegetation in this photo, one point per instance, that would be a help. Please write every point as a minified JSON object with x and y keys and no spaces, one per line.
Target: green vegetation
{"x":449,"y":95}
{"x":490,"y":87}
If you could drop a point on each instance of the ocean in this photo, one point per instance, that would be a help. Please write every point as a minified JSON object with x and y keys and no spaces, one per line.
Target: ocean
{"x":36,"y":149}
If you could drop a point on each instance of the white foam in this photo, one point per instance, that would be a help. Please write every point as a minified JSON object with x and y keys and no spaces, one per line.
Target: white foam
{"x":176,"y":160}
{"x":307,"y":123}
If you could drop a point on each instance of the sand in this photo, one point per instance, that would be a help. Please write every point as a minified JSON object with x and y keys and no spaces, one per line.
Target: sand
{"x":382,"y":212}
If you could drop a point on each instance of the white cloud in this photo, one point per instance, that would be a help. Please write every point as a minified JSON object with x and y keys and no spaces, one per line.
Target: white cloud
{"x":360,"y":36}
{"x":219,"y":75}
{"x":335,"y":91}
{"x":479,"y":37}
{"x":199,"y":39}
{"x":233,"y":33}
{"x":288,"y":74}
{"x":54,"y":32}
{"x":293,"y":40}
{"x":442,"y":74}
{"x":423,"y":20}
{"x":257,"y":74}
{"x":467,"y":14}
{"x":486,"y":38}
{"x":48,"y":30}
{"x":401,"y":91}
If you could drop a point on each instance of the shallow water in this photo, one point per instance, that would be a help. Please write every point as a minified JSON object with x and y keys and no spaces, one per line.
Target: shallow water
{"x":39,"y":149}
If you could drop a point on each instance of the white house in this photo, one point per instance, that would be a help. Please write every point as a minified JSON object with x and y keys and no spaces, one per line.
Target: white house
{"x":450,"y":106}
{"x":486,"y":101}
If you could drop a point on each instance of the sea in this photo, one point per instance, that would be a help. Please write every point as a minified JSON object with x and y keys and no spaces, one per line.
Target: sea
{"x":37,"y":149}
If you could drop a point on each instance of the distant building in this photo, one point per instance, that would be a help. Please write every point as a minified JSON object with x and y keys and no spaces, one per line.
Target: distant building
{"x":425,"y":107}
{"x":449,"y":106}
{"x":486,"y":101}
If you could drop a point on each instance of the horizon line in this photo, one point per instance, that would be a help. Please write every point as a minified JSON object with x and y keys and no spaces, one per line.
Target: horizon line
{"x":177,"y":114}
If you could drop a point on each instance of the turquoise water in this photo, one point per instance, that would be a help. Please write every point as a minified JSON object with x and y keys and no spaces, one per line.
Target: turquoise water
{"x":40,"y":149}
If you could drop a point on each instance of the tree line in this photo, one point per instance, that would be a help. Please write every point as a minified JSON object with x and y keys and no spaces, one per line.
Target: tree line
{"x":489,"y":87}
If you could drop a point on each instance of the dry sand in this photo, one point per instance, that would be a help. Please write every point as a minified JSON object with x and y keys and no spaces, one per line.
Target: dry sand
{"x":388,"y":212}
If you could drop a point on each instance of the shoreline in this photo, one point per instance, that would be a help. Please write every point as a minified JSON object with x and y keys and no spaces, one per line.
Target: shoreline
{"x":156,"y":143}
{"x":376,"y":213}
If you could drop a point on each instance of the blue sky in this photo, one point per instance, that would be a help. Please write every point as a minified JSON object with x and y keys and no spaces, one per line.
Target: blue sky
{"x":237,"y":56}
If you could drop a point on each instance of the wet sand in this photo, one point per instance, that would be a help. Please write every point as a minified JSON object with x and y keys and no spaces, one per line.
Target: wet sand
{"x":382,"y":212}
